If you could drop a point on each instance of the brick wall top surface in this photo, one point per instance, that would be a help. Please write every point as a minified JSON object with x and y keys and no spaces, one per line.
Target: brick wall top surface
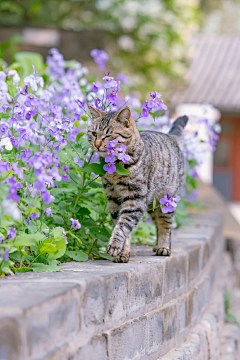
{"x":150,"y":301}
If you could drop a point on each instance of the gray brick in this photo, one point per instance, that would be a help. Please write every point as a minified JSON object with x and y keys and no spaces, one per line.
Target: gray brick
{"x":129,"y":341}
{"x":175,"y":277}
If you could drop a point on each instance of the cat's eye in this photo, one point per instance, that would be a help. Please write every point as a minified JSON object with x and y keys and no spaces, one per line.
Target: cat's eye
{"x":105,"y":137}
{"x":94,"y":134}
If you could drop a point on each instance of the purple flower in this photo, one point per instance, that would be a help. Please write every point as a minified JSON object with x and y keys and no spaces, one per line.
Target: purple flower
{"x":65,"y":177}
{"x":33,"y":80}
{"x":110,"y":168}
{"x":48,"y":212}
{"x":39,"y":185}
{"x":75,"y":224}
{"x":123,"y":78}
{"x":5,"y":256}
{"x":144,"y":112}
{"x":11,"y":233}
{"x":112,"y":96}
{"x":47,"y":198}
{"x":110,"y":146}
{"x":155,"y":95}
{"x":124,"y":157}
{"x":12,"y":193}
{"x":3,"y":108}
{"x":109,"y":158}
{"x":34,"y":215}
{"x":192,"y":196}
{"x":169,"y":203}
{"x":100,"y":57}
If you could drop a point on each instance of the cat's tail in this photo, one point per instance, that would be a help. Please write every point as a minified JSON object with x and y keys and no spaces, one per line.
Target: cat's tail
{"x":178,"y":126}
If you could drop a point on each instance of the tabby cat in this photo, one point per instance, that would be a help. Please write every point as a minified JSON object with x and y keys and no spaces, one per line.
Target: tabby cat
{"x":156,"y":167}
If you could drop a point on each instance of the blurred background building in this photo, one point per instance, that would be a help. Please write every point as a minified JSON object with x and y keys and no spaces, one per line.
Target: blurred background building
{"x":189,"y":50}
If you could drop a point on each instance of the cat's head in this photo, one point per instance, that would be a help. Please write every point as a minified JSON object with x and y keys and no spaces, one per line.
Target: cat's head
{"x":107,"y":126}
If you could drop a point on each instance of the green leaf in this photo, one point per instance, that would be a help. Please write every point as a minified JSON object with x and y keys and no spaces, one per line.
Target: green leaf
{"x":43,"y":267}
{"x":95,"y":185}
{"x":15,"y":256}
{"x":75,"y":178}
{"x":85,"y":144}
{"x":27,"y":59}
{"x":120,"y":170}
{"x":84,"y":117}
{"x":58,"y":219}
{"x":27,"y":239}
{"x":57,"y":233}
{"x":153,"y":115}
{"x":59,"y":254}
{"x":154,"y":203}
{"x":75,"y":237}
{"x":95,"y":168}
{"x":105,"y":256}
{"x":11,"y":89}
{"x":23,"y":269}
{"x":76,"y":124}
{"x":57,"y":191}
{"x":51,"y":246}
{"x":77,"y":255}
{"x":79,"y":135}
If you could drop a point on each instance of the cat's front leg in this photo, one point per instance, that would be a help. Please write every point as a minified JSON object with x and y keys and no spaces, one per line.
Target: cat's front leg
{"x":131,"y":212}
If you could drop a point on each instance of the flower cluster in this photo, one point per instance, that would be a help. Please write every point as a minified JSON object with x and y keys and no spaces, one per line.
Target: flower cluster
{"x":100,"y":57}
{"x":115,"y":154}
{"x":154,"y":104}
{"x":48,"y":174}
{"x":169,"y":203}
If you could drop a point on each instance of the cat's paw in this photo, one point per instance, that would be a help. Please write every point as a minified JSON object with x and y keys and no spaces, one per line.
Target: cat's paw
{"x":163,"y":252}
{"x":122,"y":258}
{"x":114,"y":247}
{"x":155,"y":248}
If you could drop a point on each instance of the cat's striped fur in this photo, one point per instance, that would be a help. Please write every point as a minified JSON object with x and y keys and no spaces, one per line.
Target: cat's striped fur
{"x":156,"y":167}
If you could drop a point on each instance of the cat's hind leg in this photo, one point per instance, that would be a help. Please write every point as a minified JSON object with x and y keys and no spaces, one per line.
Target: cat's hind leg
{"x":163,"y":224}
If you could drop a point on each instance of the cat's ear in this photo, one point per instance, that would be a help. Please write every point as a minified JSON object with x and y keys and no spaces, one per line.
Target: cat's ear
{"x":124,"y":116}
{"x":95,"y":112}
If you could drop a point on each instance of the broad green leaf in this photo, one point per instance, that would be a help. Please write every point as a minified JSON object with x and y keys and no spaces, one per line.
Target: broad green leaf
{"x":27,"y":59}
{"x":79,"y":135}
{"x":77,"y":255}
{"x":27,"y":239}
{"x":57,"y":233}
{"x":51,"y":246}
{"x":37,"y":267}
{"x":95,"y":168}
{"x":153,"y":115}
{"x":59,"y":254}
{"x":58,"y":219}
{"x":154,"y":203}
{"x":120,"y":170}
{"x":84,"y":117}
{"x":15,"y":255}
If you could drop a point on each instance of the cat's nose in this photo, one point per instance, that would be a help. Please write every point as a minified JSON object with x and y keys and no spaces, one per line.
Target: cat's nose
{"x":98,"y":144}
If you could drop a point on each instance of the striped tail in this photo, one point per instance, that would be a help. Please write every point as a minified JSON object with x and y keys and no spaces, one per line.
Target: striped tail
{"x":178,"y":126}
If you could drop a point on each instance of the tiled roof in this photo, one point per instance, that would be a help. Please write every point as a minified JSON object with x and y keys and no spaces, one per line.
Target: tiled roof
{"x":214,"y":73}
